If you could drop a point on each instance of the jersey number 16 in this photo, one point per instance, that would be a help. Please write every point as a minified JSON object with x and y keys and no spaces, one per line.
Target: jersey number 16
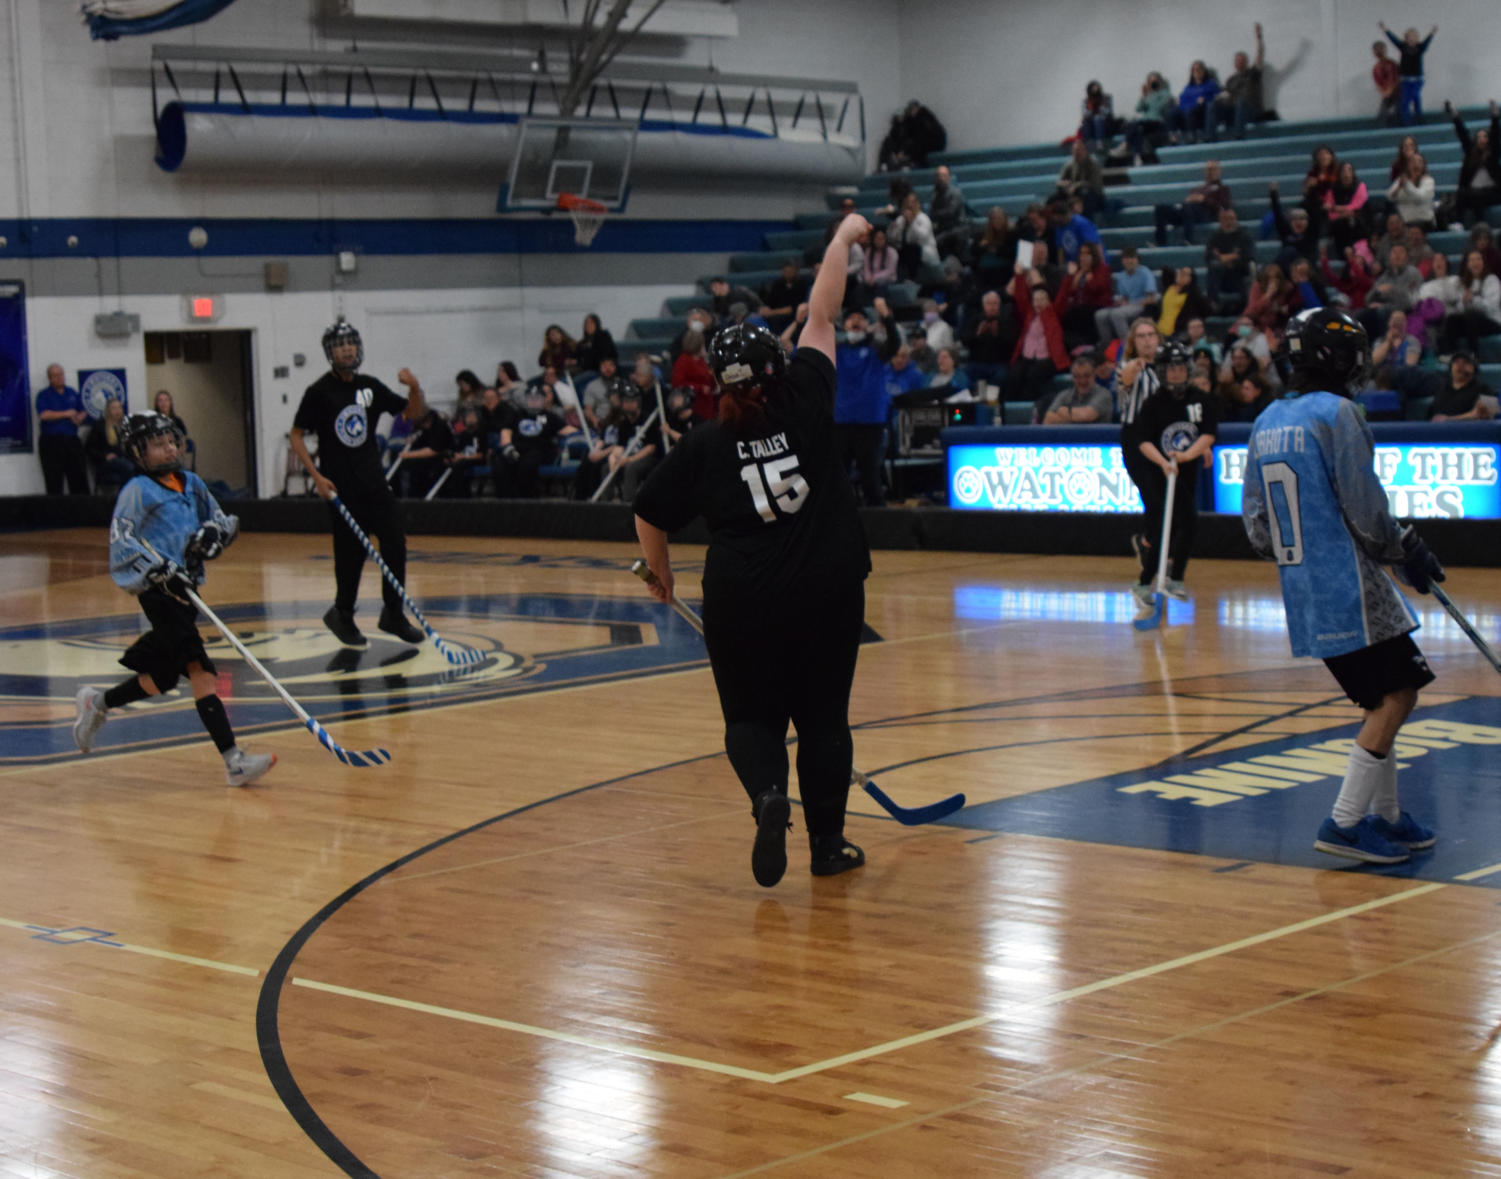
{"x":788,"y":490}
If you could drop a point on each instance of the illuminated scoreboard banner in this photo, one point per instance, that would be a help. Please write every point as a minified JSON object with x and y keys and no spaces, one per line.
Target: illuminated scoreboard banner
{"x":1422,"y":479}
{"x":1062,"y":478}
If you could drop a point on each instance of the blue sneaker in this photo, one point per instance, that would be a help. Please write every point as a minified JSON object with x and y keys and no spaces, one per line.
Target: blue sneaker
{"x":1404,"y":830}
{"x":1360,"y":842}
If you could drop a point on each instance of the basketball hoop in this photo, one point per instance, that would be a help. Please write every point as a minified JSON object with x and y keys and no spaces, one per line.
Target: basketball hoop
{"x":587,"y":216}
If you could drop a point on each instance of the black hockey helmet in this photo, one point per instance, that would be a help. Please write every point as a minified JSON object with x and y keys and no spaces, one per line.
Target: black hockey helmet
{"x":343,"y":332}
{"x":1329,"y":351}
{"x":138,"y":429}
{"x":747,"y":357}
{"x":1169,"y":355}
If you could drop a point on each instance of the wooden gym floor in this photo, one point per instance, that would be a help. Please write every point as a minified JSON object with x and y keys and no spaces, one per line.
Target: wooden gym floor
{"x":531,"y":945}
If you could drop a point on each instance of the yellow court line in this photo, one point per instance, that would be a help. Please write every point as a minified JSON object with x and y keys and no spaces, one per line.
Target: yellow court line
{"x":1479,"y":872}
{"x":875,"y":1099}
{"x":209,"y":963}
{"x":526,"y":1029}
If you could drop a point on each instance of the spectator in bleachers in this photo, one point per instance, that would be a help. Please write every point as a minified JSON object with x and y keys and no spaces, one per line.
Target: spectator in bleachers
{"x":995,"y":251}
{"x":1319,"y":181}
{"x":557,"y":349}
{"x":1480,"y":172}
{"x":1096,"y":114}
{"x":1244,"y":334}
{"x":860,"y":402}
{"x":1272,"y":299}
{"x":1039,"y":354}
{"x":1153,"y":110}
{"x":1135,"y":291}
{"x":1353,"y":282}
{"x":1195,"y":103}
{"x":1395,"y":289}
{"x":1228,"y":256}
{"x":647,"y":380}
{"x":1247,"y":398}
{"x":1388,"y":85}
{"x":699,"y":321}
{"x":878,"y":271}
{"x":1419,"y":252}
{"x":1086,"y":289}
{"x":723,"y":295}
{"x":427,"y":455}
{"x":1083,"y":403}
{"x":781,"y":297}
{"x":626,"y":445}
{"x":1407,"y":147}
{"x":1410,"y":70}
{"x":1461,"y":397}
{"x":691,"y":371}
{"x":1308,"y":289}
{"x":1081,"y":176}
{"x":924,"y":358}
{"x":1202,"y":204}
{"x":922,"y":133}
{"x":911,"y":232}
{"x":1344,"y":207}
{"x":948,"y":375}
{"x":1294,"y":228}
{"x":493,"y":411}
{"x":105,"y":448}
{"x":1479,"y":312}
{"x":1380,"y":243}
{"x":508,"y":382}
{"x":1395,"y":349}
{"x":902,"y":376}
{"x":1241,"y":363}
{"x":940,"y":334}
{"x":1482,"y":239}
{"x":596,"y":393}
{"x":1240,"y":102}
{"x":947,"y":208}
{"x":165,"y":406}
{"x":1203,"y":368}
{"x":1439,"y":296}
{"x":1181,"y":300}
{"x":1196,"y":336}
{"x":470,"y":389}
{"x":989,"y":340}
{"x":593,"y":346}
{"x":1413,"y":194}
{"x":470,"y":453}
{"x":1069,"y":231}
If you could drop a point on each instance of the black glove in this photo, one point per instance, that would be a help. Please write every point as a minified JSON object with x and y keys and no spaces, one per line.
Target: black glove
{"x":510,"y":453}
{"x":206,"y":544}
{"x":1419,"y":568}
{"x":172,"y":579}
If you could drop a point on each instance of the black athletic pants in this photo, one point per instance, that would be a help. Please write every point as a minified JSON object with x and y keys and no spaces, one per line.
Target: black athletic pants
{"x":62,"y":458}
{"x":375,"y":511}
{"x":518,"y":479}
{"x":793,"y":659}
{"x":866,"y":445}
{"x":1152,"y":484}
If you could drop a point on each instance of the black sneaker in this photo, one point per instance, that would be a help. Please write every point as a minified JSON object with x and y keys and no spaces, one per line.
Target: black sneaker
{"x":773,"y":819}
{"x":833,"y":855}
{"x":395,"y":623}
{"x":341,"y":622}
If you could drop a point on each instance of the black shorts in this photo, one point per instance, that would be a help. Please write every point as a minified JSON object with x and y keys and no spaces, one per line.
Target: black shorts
{"x":173,"y":642}
{"x":1373,"y":673}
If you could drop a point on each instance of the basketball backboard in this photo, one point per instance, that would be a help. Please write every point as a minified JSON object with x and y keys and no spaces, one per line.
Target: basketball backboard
{"x":586,"y":157}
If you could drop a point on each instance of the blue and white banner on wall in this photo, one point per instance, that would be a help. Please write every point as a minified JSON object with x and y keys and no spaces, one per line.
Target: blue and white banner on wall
{"x":1062,"y":478}
{"x":15,"y":397}
{"x":99,"y":385}
{"x":1441,"y":479}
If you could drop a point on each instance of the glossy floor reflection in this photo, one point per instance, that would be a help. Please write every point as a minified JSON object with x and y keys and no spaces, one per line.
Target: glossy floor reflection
{"x":531,"y":944}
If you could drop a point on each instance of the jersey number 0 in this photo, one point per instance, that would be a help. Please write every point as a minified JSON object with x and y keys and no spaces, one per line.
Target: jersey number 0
{"x":1281,"y":484}
{"x":788,"y":490}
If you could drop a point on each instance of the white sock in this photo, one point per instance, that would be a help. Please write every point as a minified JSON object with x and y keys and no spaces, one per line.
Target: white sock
{"x":1384,"y":801}
{"x":1362,"y":780}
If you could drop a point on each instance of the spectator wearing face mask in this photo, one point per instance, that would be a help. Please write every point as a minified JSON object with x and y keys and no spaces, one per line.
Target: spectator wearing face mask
{"x":939,"y":333}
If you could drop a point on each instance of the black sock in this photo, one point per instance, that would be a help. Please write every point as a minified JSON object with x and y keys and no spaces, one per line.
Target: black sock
{"x":211,"y":713}
{"x":125,"y":693}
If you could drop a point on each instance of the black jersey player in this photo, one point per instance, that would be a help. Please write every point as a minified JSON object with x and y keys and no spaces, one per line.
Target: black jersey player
{"x":341,"y":408}
{"x":784,"y":579}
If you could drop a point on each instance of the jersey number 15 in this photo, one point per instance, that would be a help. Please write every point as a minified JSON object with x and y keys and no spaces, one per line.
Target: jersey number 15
{"x":788,"y":490}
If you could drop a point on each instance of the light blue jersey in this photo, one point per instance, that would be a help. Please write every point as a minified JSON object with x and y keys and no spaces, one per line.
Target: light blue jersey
{"x":165,"y":519}
{"x":1313,"y":504}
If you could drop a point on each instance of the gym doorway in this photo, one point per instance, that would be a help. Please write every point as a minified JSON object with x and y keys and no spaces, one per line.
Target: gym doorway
{"x":209,"y":375}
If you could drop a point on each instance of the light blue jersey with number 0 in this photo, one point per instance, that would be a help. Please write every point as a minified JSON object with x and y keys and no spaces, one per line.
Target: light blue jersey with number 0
{"x":1314,"y":504}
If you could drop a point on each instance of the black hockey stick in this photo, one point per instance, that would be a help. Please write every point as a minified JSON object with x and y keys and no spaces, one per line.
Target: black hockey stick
{"x":908,"y":816}
{"x":1465,"y":625}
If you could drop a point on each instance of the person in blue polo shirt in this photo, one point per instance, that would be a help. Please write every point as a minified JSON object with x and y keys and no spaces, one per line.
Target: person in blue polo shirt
{"x":60,"y":411}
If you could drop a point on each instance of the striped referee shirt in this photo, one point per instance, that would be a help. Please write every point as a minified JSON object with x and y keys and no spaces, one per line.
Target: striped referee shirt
{"x":1128,"y":402}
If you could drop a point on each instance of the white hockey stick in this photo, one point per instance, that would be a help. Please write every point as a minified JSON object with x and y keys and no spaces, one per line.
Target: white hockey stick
{"x":631,"y":448}
{"x":1159,"y":588}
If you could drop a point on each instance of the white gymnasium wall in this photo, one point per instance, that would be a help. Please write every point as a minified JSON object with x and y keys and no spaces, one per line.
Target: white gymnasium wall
{"x":1013,"y":71}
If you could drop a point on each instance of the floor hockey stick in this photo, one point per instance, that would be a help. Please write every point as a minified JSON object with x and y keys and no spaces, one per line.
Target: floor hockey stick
{"x":908,"y":816}
{"x":350,"y":757}
{"x":1464,"y":624}
{"x":438,"y":484}
{"x":1159,"y":588}
{"x":455,"y":653}
{"x":631,"y":448}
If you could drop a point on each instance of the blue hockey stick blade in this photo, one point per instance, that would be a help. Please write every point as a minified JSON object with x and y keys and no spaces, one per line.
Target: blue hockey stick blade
{"x":914,"y":816}
{"x":1153,"y":620}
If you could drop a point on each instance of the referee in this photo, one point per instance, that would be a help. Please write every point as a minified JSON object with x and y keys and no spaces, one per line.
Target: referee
{"x":341,"y":408}
{"x":784,"y":579}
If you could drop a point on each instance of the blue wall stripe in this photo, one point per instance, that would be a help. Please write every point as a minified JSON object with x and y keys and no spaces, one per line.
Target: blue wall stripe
{"x":167,"y":237}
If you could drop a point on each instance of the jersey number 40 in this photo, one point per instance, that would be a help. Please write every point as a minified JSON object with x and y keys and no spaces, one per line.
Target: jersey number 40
{"x":1281,"y":483}
{"x":775,"y":482}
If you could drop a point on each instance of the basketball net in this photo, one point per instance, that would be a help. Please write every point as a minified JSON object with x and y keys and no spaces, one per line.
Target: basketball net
{"x":587,"y":216}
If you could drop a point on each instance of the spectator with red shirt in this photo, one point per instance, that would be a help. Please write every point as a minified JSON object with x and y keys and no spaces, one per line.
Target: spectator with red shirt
{"x":1039,"y":354}
{"x":1202,"y":204}
{"x":691,"y":371}
{"x":1384,"y":74}
{"x":557,"y":349}
{"x":1085,"y":289}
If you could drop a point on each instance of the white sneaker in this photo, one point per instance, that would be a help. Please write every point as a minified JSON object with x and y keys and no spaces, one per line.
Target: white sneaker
{"x":1175,"y":589}
{"x":244,"y":768}
{"x":1144,"y":603}
{"x":91,"y":717}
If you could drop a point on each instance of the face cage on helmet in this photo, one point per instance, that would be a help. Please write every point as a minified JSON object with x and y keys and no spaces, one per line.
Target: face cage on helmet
{"x":135,"y":447}
{"x":343,"y":334}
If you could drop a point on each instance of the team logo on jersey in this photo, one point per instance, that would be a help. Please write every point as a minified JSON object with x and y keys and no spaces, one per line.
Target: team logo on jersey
{"x":531,"y":427}
{"x":1178,"y":437}
{"x":530,"y":643}
{"x":100,"y":386}
{"x":352,"y":426}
